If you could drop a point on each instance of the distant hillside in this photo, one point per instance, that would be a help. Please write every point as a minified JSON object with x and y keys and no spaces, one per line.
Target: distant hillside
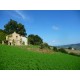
{"x":76,"y":46}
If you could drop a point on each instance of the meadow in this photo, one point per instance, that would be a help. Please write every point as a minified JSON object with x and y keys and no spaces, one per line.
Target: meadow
{"x":21,"y":58}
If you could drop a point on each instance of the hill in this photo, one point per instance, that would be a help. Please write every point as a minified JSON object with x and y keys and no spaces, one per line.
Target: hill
{"x":76,"y":46}
{"x":21,"y":58}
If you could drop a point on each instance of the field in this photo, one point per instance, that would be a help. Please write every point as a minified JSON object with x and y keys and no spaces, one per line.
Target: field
{"x":77,"y":52}
{"x":21,"y":58}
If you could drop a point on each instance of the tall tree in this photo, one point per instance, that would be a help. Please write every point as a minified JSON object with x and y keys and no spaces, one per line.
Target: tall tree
{"x":13,"y":26}
{"x":20,"y":29}
{"x":34,"y":39}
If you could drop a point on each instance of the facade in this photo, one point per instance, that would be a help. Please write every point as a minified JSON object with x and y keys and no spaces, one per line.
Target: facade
{"x":16,"y":39}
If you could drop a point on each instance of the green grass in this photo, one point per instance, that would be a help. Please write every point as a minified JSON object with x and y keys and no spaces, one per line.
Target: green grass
{"x":16,"y":58}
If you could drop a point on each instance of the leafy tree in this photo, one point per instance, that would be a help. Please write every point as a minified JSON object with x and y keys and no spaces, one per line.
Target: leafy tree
{"x":31,"y":39}
{"x":2,"y":35}
{"x":13,"y":26}
{"x":21,"y":30}
{"x":34,"y":39}
{"x":37,"y":40}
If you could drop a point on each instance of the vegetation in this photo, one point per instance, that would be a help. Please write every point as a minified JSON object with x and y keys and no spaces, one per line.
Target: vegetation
{"x":75,"y":46}
{"x":23,"y":43}
{"x":74,"y":54}
{"x":62,"y":50}
{"x":12,"y":26}
{"x":34,"y":39}
{"x":55,"y":48}
{"x":20,"y":58}
{"x":2,"y":35}
{"x":32,"y":57}
{"x":44,"y":45}
{"x":13,"y":42}
{"x":69,"y":47}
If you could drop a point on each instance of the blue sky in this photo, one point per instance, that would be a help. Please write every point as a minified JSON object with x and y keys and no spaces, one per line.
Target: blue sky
{"x":53,"y":26}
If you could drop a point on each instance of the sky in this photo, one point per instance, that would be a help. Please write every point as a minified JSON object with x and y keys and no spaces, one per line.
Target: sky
{"x":56,"y":27}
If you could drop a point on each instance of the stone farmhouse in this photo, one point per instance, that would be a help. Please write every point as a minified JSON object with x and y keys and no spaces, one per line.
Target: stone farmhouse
{"x":16,"y":39}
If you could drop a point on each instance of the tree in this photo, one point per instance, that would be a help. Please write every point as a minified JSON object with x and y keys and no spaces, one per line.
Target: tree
{"x":37,"y":40}
{"x":2,"y":35}
{"x":21,"y":30}
{"x":13,"y":26}
{"x":34,"y":39}
{"x":31,"y":39}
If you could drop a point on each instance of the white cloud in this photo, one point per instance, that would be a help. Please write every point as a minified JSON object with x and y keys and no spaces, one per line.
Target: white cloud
{"x":20,"y":14}
{"x":55,"y":28}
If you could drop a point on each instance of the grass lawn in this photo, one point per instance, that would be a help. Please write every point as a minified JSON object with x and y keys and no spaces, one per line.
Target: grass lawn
{"x":16,"y":58}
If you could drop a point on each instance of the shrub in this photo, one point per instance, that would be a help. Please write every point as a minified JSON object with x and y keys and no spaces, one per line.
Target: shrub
{"x":55,"y":49}
{"x":13,"y":42}
{"x":2,"y":36}
{"x":71,"y":53}
{"x":6,"y":42}
{"x":41,"y":46}
{"x":44,"y":45}
{"x":23,"y":43}
{"x":69,"y":47}
{"x":74,"y":54}
{"x":62,"y":50}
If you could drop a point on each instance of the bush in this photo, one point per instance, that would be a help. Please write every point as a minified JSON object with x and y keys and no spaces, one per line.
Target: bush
{"x":6,"y":42}
{"x":69,"y":47}
{"x":74,"y":54}
{"x":44,"y":45}
{"x":55,"y":49}
{"x":41,"y":46}
{"x":23,"y":43}
{"x":2,"y":36}
{"x":62,"y":50}
{"x":71,"y":53}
